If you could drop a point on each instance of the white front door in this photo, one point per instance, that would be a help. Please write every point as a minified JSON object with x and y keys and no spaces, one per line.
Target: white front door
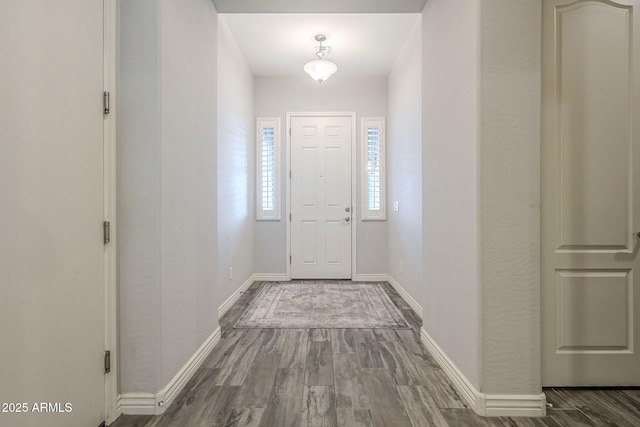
{"x":51,"y":212}
{"x":321,"y":211}
{"x":591,"y":193}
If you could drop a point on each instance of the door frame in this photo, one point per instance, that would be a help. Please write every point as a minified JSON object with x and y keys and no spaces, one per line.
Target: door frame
{"x":112,"y":411}
{"x":289,"y":116}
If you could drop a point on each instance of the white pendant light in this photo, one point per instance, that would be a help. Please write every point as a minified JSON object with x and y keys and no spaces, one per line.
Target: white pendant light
{"x":320,"y":69}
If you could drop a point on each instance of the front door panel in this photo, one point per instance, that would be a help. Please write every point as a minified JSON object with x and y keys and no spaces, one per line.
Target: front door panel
{"x":321,"y":197}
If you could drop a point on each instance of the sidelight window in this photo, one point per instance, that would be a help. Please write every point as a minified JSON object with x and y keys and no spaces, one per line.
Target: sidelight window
{"x":373,"y":179}
{"x":268,"y":168}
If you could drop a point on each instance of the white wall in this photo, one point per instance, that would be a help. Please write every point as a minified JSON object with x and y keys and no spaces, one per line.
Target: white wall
{"x":450,"y":67}
{"x":166,"y":187}
{"x":188,"y":158}
{"x":275,"y":96}
{"x":404,"y":167}
{"x":481,"y":156}
{"x":236,"y":123}
{"x":510,"y":190}
{"x":138,"y":193}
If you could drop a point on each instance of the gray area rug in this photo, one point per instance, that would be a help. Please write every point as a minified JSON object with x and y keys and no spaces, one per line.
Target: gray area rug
{"x":322,"y":305}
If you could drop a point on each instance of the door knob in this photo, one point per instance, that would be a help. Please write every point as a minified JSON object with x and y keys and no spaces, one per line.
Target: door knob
{"x":346,"y":218}
{"x":347,"y":209}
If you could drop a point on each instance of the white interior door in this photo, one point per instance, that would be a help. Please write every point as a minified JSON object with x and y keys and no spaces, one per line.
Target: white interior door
{"x":591,"y":193}
{"x":51,"y":212}
{"x":321,"y":197}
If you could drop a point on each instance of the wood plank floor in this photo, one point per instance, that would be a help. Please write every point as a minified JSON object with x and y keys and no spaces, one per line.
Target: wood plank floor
{"x":350,"y":377}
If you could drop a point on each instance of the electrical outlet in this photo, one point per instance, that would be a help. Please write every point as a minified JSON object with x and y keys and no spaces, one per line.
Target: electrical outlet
{"x":401,"y":266}
{"x":396,"y":206}
{"x":230,"y":273}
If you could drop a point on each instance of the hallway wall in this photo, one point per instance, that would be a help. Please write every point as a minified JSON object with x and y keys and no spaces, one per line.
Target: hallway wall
{"x":167,"y":210}
{"x":274,"y":97}
{"x":235,"y":177}
{"x":404,"y":167}
{"x":481,"y":194}
{"x":510,"y":189}
{"x":450,"y":67}
{"x":138,"y":196}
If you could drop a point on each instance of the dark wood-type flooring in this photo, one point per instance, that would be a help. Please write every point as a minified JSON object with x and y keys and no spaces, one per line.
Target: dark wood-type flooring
{"x":350,"y":377}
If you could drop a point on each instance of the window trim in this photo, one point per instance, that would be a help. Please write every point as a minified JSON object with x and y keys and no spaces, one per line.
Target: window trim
{"x":366,"y":124}
{"x":262,"y":123}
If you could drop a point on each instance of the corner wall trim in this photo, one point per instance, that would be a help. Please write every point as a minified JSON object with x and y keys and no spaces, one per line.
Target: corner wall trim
{"x":156,"y":404}
{"x":225,"y":306}
{"x":417,"y":308}
{"x":486,"y":405}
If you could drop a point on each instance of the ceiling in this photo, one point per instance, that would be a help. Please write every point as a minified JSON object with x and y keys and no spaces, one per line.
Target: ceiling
{"x":319,"y":6}
{"x":279,"y":44}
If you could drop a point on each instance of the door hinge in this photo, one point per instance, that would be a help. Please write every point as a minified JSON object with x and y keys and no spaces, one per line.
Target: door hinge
{"x":289,"y":259}
{"x":106,"y":232}
{"x":106,"y":103}
{"x":289,"y":216}
{"x":107,"y":362}
{"x":289,"y":131}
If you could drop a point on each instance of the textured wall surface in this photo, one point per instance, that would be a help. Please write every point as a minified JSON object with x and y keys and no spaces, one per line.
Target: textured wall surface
{"x":510,"y":191}
{"x":450,"y":69}
{"x":236,"y":153}
{"x":166,"y":187}
{"x":138,"y":192}
{"x":188,"y":159}
{"x":404,"y":167}
{"x":274,"y":97}
{"x":481,"y":69}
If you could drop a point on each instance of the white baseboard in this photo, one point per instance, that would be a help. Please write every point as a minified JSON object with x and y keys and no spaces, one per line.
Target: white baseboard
{"x":156,"y":404}
{"x":137,"y":404}
{"x":225,"y":306}
{"x":417,"y":308}
{"x":515,"y":405}
{"x":270,"y":277}
{"x":486,"y":405}
{"x":371,"y":278}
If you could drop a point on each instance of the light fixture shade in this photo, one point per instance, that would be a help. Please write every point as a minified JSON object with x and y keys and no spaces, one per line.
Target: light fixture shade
{"x":320,"y":69}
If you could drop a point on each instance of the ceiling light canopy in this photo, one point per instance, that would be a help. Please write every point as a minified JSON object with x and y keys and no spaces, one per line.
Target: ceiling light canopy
{"x":321,"y":69}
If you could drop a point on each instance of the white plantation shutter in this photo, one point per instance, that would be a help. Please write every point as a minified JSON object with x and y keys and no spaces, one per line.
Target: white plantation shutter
{"x":373,"y":180}
{"x":374,"y":168}
{"x":267,"y":168}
